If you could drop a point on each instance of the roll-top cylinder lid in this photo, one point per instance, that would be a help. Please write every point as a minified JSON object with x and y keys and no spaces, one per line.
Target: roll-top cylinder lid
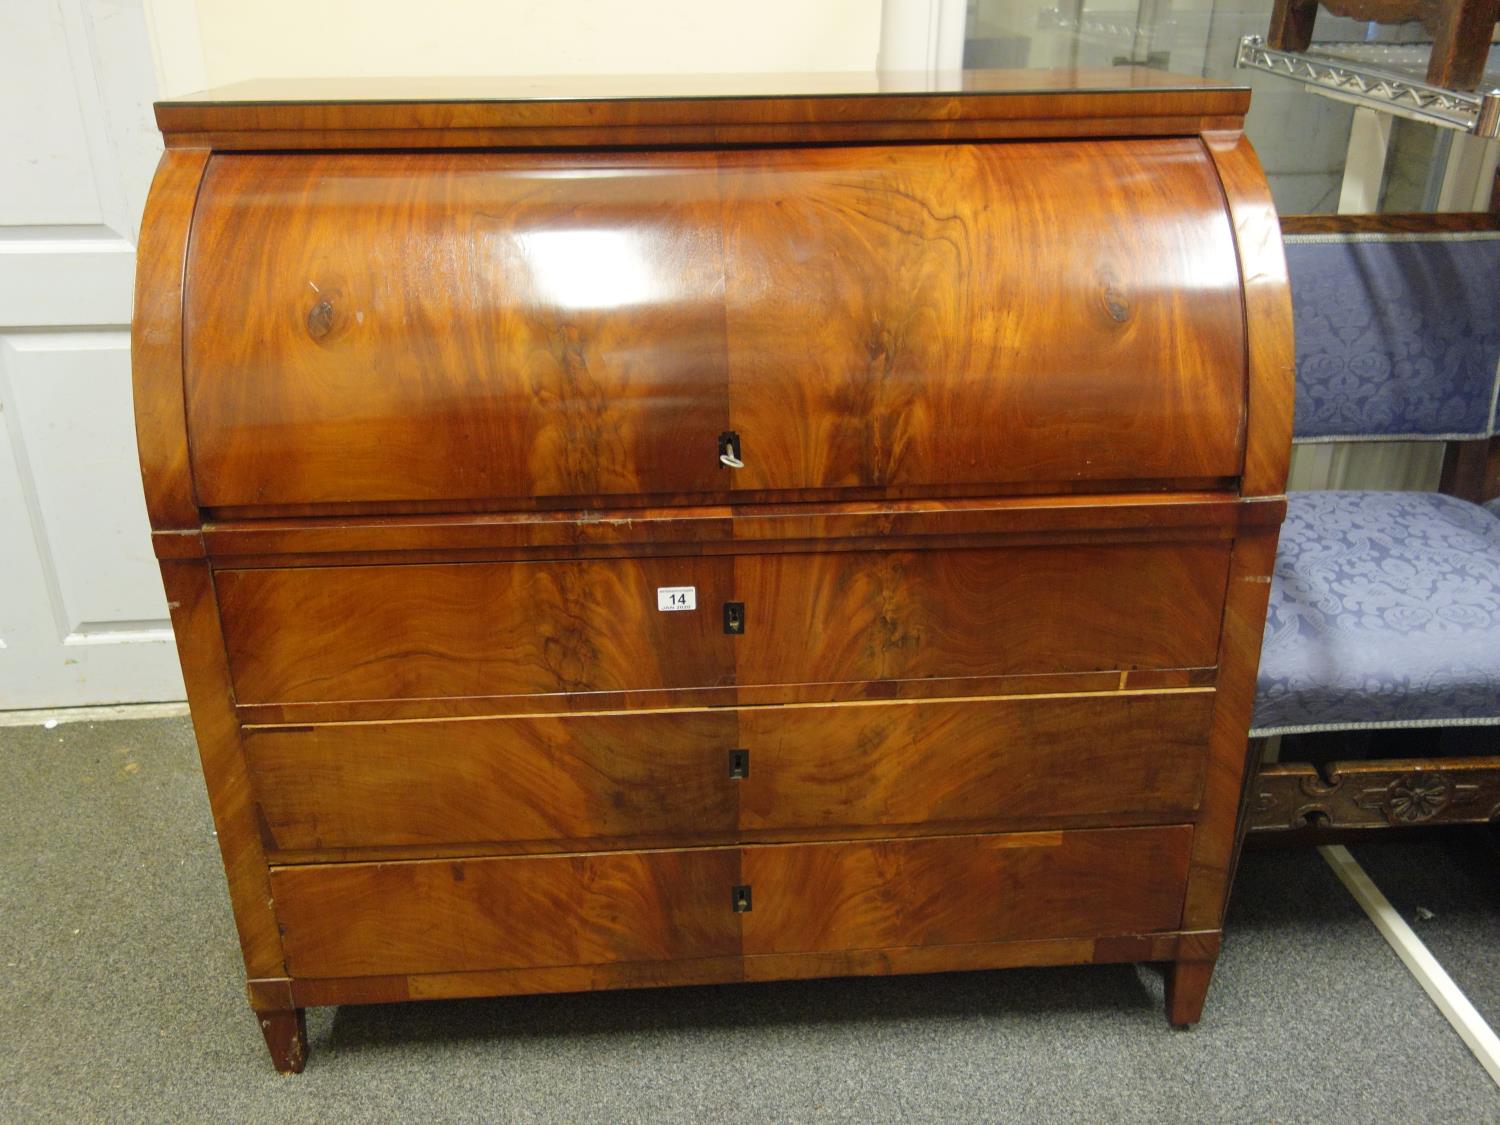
{"x":512,"y":327}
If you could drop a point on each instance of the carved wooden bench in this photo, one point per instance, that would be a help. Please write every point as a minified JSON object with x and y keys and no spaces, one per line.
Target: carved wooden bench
{"x":1385,"y":606}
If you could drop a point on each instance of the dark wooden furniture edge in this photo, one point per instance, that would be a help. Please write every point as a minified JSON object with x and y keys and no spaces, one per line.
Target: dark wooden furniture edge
{"x":1471,"y":470}
{"x":1270,"y":356}
{"x":1123,"y":102}
{"x":1195,"y":946}
{"x":1270,"y":361}
{"x":1393,"y":222}
{"x":737,"y":529}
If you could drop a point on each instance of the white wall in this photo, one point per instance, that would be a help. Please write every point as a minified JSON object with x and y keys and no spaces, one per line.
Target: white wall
{"x":202,"y":43}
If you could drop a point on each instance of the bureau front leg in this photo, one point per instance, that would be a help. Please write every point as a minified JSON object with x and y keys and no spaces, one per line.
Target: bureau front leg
{"x":1187,"y":986}
{"x":286,"y":1038}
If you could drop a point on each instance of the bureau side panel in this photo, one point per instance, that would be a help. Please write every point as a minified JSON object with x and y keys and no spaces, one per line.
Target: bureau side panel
{"x":200,"y":646}
{"x":1216,"y":842}
{"x":1270,"y":360}
{"x":161,"y":437}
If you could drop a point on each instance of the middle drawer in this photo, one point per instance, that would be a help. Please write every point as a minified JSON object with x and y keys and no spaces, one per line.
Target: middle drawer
{"x":550,"y":783}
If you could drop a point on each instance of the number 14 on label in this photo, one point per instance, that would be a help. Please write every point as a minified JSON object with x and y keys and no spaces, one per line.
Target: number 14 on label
{"x":674,"y":598}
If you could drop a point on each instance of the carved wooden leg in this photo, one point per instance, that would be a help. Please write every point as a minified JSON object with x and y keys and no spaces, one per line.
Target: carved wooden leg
{"x":286,"y":1038}
{"x":1187,"y":985}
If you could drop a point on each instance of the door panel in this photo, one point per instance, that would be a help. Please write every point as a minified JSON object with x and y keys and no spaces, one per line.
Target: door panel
{"x":82,"y":616}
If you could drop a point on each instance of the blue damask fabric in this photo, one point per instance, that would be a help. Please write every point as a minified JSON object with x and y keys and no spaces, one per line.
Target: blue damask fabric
{"x":1396,"y":338}
{"x":1385,"y":611}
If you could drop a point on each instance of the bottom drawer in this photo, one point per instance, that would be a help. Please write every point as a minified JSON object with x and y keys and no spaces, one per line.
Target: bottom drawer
{"x":427,"y":916}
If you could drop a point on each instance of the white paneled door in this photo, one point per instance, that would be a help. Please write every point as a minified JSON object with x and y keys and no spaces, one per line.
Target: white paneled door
{"x":82,"y":616}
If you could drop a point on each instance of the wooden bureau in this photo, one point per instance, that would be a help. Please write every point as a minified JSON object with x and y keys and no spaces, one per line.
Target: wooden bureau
{"x":634,"y":538}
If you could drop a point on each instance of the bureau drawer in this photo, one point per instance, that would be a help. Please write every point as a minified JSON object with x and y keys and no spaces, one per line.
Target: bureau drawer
{"x":488,"y":629}
{"x":502,"y":327}
{"x":718,"y":776}
{"x":534,"y":911}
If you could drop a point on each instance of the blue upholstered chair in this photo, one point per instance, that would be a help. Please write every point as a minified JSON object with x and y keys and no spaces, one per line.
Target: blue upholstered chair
{"x":1385,"y":606}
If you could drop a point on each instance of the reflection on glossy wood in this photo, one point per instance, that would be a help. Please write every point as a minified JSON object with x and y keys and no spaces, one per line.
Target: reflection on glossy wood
{"x":381,"y":632}
{"x":596,"y":781}
{"x":541,"y":911}
{"x":439,"y":326}
{"x":581,"y":327}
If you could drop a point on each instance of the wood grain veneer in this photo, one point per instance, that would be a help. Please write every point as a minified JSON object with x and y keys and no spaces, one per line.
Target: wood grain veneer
{"x":430,"y":384}
{"x":543,"y":911}
{"x":604,"y":318}
{"x":583,"y":782}
{"x":308,"y":634}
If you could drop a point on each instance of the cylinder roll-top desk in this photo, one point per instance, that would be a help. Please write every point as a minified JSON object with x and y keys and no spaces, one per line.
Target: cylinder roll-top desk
{"x":642,"y":539}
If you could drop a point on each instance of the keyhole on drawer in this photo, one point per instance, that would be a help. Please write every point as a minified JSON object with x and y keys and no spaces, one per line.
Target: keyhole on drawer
{"x":734,"y":617}
{"x":730,"y":450}
{"x":741,"y":899}
{"x":739,"y":765}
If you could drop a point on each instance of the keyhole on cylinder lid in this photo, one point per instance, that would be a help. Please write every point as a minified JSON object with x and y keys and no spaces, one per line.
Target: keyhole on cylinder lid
{"x":730,"y":450}
{"x":741,"y":899}
{"x":734,"y":617}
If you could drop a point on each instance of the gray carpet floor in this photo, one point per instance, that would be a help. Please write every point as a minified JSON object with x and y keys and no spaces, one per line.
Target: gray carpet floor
{"x":121,"y":1001}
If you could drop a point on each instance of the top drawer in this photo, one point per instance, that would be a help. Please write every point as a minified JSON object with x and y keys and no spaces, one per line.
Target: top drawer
{"x":469,"y":326}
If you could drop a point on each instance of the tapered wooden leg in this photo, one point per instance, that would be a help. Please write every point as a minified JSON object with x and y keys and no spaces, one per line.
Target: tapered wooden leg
{"x":1187,"y":986}
{"x":286,"y":1038}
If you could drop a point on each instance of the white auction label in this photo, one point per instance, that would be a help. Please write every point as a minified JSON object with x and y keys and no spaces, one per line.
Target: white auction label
{"x":671,"y":598}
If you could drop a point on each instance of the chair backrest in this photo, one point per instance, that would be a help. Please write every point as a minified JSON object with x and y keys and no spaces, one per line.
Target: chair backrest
{"x":1398,"y":329}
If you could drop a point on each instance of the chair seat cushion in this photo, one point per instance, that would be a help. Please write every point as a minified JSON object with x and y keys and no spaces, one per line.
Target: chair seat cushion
{"x":1385,"y":612}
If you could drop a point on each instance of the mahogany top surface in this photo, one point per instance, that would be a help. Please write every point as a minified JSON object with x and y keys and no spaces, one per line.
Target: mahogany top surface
{"x":601,"y":102}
